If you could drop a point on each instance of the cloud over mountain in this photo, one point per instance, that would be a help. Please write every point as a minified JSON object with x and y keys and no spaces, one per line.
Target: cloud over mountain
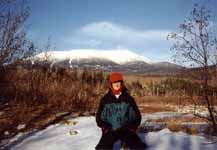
{"x":111,"y":31}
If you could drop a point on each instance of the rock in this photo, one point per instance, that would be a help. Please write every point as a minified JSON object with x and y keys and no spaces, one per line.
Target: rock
{"x":1,"y":113}
{"x":6,"y":133}
{"x":21,"y":126}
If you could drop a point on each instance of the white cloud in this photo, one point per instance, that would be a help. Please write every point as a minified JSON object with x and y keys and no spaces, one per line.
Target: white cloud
{"x":111,"y":31}
{"x":108,"y":35}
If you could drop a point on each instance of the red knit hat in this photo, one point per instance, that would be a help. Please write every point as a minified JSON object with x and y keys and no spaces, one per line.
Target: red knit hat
{"x":115,"y":77}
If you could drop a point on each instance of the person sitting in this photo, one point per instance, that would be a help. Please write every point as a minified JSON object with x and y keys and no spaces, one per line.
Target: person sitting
{"x":118,"y":116}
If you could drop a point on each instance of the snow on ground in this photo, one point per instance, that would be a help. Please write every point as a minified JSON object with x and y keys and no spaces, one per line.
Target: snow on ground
{"x":155,"y":126}
{"x":57,"y":137}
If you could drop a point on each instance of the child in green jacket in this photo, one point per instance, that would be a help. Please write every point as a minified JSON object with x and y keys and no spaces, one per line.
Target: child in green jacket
{"x":118,"y":116}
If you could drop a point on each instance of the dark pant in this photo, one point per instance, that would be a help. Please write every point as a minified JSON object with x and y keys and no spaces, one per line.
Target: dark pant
{"x":130,"y":138}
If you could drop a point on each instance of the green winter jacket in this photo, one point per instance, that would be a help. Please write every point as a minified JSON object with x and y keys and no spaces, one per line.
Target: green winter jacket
{"x":116,"y":113}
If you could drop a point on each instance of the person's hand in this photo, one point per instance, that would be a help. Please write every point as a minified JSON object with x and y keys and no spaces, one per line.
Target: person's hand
{"x":132,"y":130}
{"x":120,"y":131}
{"x":126,"y":129}
{"x":105,"y":130}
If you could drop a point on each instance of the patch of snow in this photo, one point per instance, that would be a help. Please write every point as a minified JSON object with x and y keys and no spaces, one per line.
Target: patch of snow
{"x":167,"y":140}
{"x":56,"y":137}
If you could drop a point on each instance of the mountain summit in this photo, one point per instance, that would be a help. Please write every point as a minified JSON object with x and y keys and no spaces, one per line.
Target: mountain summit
{"x":105,"y":60}
{"x":117,"y":56}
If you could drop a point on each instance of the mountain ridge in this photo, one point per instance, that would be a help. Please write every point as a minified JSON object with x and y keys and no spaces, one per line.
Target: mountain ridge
{"x":119,"y":56}
{"x":109,"y":60}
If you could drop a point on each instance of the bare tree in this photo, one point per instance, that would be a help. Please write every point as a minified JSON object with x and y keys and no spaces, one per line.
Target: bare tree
{"x":13,"y":42}
{"x":215,"y":66}
{"x":195,"y":43}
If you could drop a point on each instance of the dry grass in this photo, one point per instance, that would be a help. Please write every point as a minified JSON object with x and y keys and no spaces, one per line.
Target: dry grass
{"x":20,"y":114}
{"x":155,"y":108}
{"x":162,"y":100}
{"x":179,"y":127}
{"x":177,"y":124}
{"x":144,"y":79}
{"x":38,"y":97}
{"x":181,"y":119}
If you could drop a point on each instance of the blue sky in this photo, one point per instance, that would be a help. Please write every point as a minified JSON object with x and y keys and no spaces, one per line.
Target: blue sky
{"x":138,"y":25}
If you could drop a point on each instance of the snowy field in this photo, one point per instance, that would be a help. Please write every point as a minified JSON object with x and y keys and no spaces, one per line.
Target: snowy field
{"x":61,"y":137}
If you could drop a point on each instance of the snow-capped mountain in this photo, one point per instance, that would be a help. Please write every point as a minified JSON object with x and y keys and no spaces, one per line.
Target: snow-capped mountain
{"x":105,"y":60}
{"x":117,"y":56}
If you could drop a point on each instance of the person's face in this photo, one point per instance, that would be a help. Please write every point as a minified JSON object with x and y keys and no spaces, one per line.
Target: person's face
{"x":116,"y":85}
